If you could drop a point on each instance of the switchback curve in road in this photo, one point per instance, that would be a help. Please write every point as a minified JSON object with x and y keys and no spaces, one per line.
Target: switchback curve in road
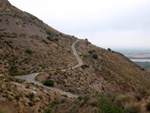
{"x":31,"y":77}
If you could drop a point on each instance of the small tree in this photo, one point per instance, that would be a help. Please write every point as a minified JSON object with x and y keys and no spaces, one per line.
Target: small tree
{"x":109,"y":49}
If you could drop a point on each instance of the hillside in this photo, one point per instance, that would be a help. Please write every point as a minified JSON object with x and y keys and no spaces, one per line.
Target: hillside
{"x":108,"y":72}
{"x":28,"y":45}
{"x":102,"y":80}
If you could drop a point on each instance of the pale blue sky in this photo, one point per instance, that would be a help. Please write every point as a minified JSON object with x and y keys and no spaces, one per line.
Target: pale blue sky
{"x":106,"y":23}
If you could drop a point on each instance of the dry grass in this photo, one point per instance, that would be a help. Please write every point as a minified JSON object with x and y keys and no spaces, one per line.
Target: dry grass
{"x":133,"y":107}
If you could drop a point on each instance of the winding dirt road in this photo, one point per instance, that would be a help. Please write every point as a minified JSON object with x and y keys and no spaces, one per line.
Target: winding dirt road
{"x":76,"y":55}
{"x":31,"y":77}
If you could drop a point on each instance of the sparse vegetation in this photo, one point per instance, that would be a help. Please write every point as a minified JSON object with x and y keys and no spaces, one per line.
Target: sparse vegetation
{"x":142,"y":91}
{"x":133,"y":107}
{"x":34,"y":37}
{"x":107,"y":106}
{"x":50,"y":51}
{"x":54,"y":103}
{"x":13,"y":70}
{"x":47,"y":111}
{"x":22,"y":35}
{"x":52,"y":39}
{"x":2,"y":111}
{"x":2,"y":29}
{"x":84,"y":55}
{"x":30,"y":96}
{"x":9,"y":43}
{"x":86,"y":97}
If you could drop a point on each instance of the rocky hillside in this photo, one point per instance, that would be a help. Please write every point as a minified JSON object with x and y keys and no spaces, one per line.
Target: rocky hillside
{"x":28,"y":45}
{"x":103,"y":71}
{"x":107,"y":81}
{"x":17,"y":96}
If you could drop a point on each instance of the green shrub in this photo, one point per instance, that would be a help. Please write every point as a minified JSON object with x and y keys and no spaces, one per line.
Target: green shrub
{"x":47,"y":111}
{"x":9,"y":43}
{"x":95,"y":56}
{"x":30,"y":103}
{"x":107,"y":106}
{"x":48,"y":83}
{"x":44,"y":41}
{"x":84,"y":55}
{"x":29,"y":51}
{"x":17,"y":97}
{"x":2,"y":111}
{"x":91,"y":51}
{"x":15,"y":35}
{"x":80,"y":98}
{"x":50,"y":38}
{"x":86,"y":97}
{"x":30,"y":96}
{"x":48,"y":32}
{"x":56,"y":39}
{"x":54,"y":103}
{"x":109,"y":49}
{"x":148,"y":106}
{"x":84,"y":66}
{"x":13,"y":70}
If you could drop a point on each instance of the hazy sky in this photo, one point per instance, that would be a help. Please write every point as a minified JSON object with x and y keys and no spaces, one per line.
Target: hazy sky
{"x":106,"y":23}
